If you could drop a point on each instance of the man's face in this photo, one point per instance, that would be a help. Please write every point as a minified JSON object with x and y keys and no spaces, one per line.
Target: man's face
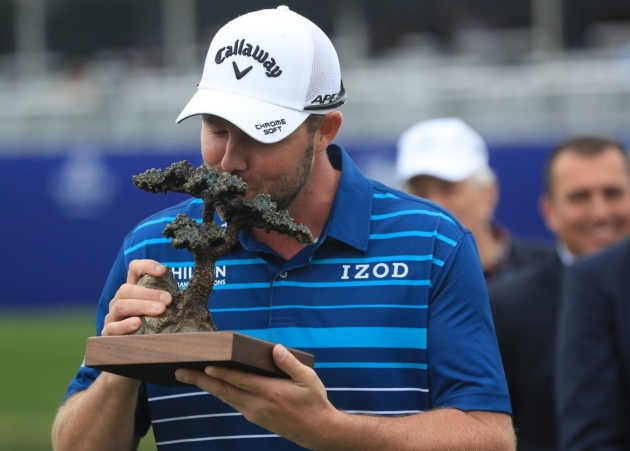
{"x":280,"y":169}
{"x":589,"y":204}
{"x":472,"y":204}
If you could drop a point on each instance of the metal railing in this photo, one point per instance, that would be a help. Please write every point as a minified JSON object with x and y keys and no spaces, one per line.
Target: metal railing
{"x":578,"y":93}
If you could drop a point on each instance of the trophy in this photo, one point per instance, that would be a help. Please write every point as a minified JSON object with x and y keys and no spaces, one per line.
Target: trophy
{"x":185,"y":335}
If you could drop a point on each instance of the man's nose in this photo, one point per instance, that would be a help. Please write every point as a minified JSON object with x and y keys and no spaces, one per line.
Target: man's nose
{"x":234,"y":159}
{"x":600,"y":207}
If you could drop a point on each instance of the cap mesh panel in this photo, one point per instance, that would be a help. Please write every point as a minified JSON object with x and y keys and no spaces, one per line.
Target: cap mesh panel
{"x":325,"y":77}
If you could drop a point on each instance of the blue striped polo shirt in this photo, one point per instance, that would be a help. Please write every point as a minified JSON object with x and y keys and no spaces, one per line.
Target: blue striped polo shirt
{"x":391,"y":300}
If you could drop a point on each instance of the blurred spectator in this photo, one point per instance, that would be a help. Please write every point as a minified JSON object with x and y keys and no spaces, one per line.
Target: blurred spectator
{"x":586,"y":205}
{"x":593,"y":359}
{"x":77,"y":83}
{"x":446,"y":161}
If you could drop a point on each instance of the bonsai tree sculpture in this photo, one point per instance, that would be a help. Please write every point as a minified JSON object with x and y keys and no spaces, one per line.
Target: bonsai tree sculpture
{"x":220,"y":192}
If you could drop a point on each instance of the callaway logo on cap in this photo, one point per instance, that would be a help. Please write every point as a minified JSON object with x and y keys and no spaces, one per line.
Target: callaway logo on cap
{"x":266,"y":72}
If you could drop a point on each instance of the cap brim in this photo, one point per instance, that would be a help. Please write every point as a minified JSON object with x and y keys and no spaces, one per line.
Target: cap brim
{"x":264,"y":122}
{"x":443,"y":169}
{"x":448,"y":176}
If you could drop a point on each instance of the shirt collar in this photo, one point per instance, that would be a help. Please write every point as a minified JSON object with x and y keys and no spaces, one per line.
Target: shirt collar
{"x":349,"y":220}
{"x":566,"y":257}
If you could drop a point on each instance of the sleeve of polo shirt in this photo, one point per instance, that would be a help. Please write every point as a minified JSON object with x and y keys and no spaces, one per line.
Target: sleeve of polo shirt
{"x":464,"y":364}
{"x":117,"y":276}
{"x":86,"y":376}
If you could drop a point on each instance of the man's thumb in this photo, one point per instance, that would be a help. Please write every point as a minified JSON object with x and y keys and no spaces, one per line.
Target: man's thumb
{"x":286,"y":361}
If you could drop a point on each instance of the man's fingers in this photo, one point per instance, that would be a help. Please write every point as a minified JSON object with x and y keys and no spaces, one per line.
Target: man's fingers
{"x":287,"y":362}
{"x":187,"y":376}
{"x":138,"y":268}
{"x":215,"y":387}
{"x":123,"y":327}
{"x":124,"y":308}
{"x":132,"y":301}
{"x":240,"y":379}
{"x":131,"y":291}
{"x":254,"y":383}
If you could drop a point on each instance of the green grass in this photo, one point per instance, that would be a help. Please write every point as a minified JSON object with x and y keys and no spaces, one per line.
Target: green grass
{"x":40,"y":353}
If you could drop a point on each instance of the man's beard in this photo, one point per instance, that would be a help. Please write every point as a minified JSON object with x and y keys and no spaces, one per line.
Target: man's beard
{"x":285,"y":191}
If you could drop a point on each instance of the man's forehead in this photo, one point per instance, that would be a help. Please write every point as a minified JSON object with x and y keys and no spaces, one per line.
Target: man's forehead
{"x":570,"y":157}
{"x":574,"y":166}
{"x":214,"y":120}
{"x":218,"y":121}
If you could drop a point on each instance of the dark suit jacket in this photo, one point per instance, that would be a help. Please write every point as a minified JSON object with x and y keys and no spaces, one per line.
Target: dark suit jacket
{"x":520,"y":252}
{"x":525,"y":308}
{"x":593,"y":366}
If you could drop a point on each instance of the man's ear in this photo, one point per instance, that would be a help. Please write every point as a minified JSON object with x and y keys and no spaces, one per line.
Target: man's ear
{"x":328,"y":130}
{"x":545,"y":205}
{"x":491,"y":195}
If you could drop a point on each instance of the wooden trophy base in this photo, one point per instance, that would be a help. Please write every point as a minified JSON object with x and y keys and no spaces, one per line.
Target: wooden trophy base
{"x":155,"y":357}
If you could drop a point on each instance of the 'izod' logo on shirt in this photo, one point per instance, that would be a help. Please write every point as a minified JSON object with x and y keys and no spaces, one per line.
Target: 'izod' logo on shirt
{"x":378,"y":271}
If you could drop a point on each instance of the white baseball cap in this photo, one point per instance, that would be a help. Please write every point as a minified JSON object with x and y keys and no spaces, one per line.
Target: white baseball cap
{"x":445,"y":148}
{"x":265,"y":72}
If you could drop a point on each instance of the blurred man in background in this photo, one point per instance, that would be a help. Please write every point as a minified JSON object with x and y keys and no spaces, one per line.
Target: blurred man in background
{"x":593,"y":358}
{"x":586,"y":205}
{"x":444,"y":160}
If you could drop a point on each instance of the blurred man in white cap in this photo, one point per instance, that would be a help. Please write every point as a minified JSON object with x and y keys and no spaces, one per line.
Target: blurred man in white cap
{"x":389,"y":372}
{"x":444,"y":160}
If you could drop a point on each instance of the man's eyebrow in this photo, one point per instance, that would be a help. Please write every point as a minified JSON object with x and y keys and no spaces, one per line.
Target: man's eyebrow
{"x":614,"y":189}
{"x":579,"y":193}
